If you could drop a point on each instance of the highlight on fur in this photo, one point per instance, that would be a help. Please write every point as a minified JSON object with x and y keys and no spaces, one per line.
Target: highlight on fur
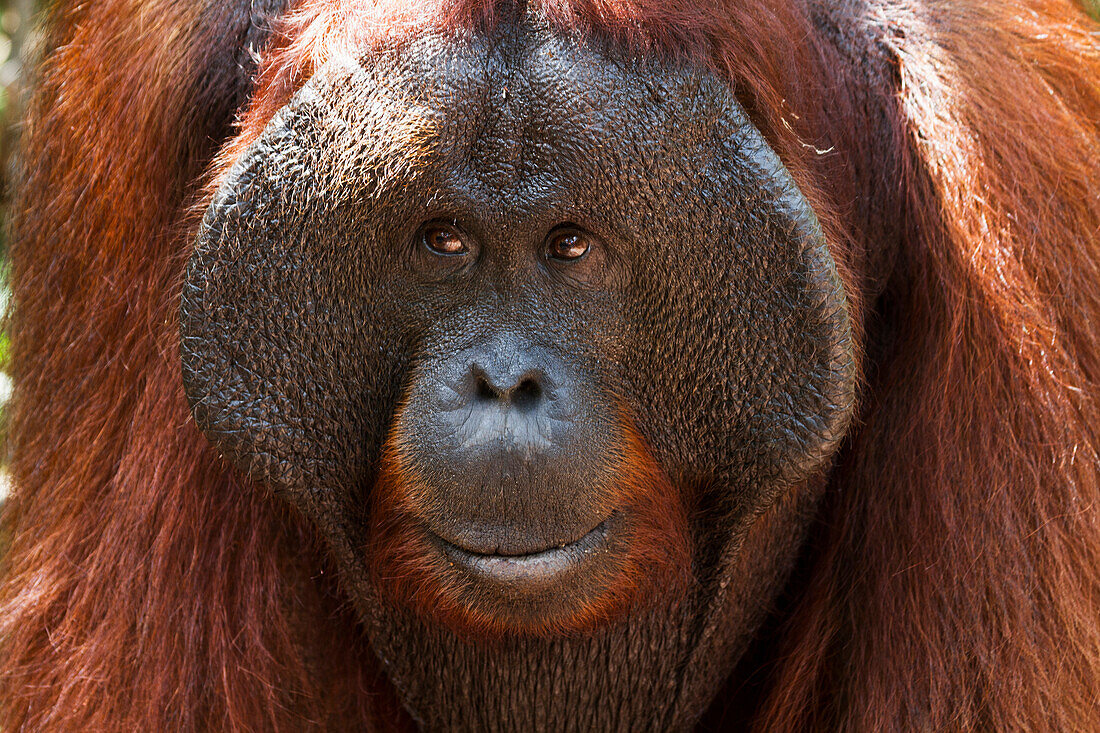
{"x":952,"y":151}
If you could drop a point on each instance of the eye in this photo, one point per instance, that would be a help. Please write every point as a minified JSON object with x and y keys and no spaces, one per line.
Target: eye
{"x":444,"y":240}
{"x":567,"y":245}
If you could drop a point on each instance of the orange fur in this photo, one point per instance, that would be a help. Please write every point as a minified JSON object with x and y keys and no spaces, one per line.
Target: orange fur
{"x":955,"y":584}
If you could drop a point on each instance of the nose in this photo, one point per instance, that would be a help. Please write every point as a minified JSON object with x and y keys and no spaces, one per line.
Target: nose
{"x":504,"y":398}
{"x":516,"y":388}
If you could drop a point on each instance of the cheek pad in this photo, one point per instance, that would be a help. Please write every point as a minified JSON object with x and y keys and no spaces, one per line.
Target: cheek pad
{"x":743,"y":313}
{"x":291,"y":352}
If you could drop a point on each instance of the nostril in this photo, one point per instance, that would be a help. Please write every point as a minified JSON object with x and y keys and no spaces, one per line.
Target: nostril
{"x":526,"y":394}
{"x":483,"y":390}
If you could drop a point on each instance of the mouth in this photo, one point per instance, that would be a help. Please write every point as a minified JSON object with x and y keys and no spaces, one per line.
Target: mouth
{"x":532,"y":567}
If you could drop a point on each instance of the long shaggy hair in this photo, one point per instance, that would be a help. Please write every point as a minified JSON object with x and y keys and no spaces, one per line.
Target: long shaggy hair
{"x":951,"y":150}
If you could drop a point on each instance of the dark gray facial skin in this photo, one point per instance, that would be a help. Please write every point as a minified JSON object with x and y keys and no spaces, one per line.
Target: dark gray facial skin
{"x":318,"y":321}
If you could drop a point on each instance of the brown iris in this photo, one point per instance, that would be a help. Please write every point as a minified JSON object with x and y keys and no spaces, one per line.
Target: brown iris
{"x":568,"y":245}
{"x":444,"y":240}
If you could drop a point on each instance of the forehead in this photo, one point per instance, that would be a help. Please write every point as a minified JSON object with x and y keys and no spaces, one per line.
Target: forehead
{"x":522,"y":116}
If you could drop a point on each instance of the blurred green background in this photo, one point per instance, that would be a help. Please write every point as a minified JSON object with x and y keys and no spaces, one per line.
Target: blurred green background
{"x":16,"y":38}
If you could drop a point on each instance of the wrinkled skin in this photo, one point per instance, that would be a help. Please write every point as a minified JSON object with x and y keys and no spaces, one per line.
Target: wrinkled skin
{"x":324,"y":336}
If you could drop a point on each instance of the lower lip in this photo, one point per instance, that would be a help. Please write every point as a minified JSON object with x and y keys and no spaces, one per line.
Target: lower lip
{"x":537,"y":566}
